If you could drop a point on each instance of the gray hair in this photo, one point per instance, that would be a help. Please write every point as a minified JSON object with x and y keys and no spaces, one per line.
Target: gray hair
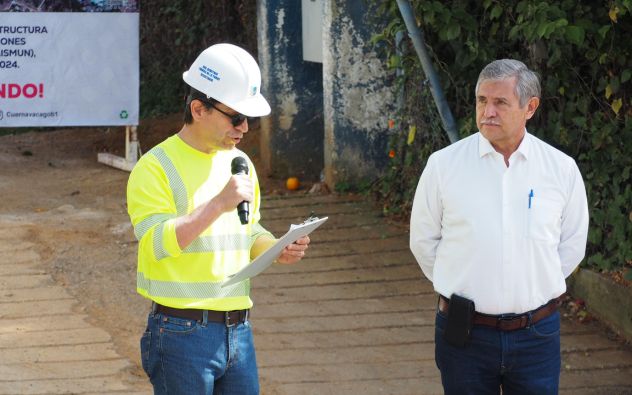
{"x":527,"y":82}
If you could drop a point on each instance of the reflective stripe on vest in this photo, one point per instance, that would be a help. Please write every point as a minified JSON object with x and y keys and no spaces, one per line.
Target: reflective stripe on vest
{"x":219,"y":243}
{"x":159,"y":248}
{"x":197,"y":290}
{"x":179,"y":193}
{"x":178,"y":190}
{"x":143,"y":226}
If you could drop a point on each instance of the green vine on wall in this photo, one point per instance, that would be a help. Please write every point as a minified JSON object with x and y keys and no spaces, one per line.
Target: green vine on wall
{"x":583,"y":55}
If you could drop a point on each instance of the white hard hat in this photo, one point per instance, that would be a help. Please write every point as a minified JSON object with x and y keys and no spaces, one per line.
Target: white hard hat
{"x":231,"y":76}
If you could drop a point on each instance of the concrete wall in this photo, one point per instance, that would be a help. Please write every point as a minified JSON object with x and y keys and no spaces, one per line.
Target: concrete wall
{"x":292,"y":136}
{"x":332,"y":116}
{"x":357,"y":94}
{"x":610,"y":302}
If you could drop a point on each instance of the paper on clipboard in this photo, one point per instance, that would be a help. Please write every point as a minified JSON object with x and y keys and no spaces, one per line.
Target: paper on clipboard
{"x":263,"y":261}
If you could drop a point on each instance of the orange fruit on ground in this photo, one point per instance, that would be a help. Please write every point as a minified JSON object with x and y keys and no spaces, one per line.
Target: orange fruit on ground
{"x":292,"y":183}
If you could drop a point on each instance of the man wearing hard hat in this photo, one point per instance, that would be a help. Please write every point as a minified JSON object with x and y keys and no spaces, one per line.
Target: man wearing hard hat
{"x":182,"y":197}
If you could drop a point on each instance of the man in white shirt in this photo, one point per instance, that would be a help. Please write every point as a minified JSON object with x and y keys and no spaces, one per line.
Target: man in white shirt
{"x":500,"y":219}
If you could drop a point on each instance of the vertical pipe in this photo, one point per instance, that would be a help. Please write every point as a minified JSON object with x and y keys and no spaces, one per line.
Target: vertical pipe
{"x":417,"y":37}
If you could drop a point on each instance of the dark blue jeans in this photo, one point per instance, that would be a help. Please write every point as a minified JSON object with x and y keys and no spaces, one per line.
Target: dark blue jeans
{"x":183,"y":356}
{"x":525,"y":361}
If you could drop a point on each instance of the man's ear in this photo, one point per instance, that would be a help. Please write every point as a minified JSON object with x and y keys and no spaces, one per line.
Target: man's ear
{"x":197,"y":109}
{"x":532,"y":105}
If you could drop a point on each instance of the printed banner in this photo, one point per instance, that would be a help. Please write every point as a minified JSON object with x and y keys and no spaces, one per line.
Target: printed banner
{"x":69,"y":68}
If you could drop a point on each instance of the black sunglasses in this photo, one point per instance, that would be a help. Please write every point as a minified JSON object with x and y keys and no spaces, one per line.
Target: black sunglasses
{"x":235,"y":120}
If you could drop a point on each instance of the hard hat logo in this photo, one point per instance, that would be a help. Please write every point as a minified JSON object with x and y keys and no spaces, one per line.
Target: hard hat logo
{"x":231,"y":76}
{"x":209,"y":74}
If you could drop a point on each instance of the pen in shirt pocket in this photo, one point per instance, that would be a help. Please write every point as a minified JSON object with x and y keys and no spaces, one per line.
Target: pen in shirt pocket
{"x":530,"y":197}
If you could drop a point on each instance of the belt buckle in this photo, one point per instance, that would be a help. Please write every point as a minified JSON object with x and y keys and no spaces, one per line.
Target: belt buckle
{"x":227,"y":320}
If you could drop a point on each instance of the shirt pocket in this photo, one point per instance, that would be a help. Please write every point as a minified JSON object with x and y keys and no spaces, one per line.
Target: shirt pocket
{"x":544,"y":220}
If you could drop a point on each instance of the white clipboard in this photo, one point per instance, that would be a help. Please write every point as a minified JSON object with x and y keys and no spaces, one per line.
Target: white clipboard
{"x":263,"y":261}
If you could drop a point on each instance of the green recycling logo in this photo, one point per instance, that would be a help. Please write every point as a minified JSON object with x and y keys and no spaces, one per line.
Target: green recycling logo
{"x":123,"y":114}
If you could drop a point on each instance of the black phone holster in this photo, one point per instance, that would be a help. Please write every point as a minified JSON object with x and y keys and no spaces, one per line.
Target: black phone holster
{"x":459,"y":321}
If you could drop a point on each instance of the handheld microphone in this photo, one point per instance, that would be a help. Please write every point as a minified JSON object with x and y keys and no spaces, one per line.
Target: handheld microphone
{"x":240,"y":166}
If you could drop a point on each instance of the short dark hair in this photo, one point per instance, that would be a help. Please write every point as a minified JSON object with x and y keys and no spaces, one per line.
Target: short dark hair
{"x":195,"y":94}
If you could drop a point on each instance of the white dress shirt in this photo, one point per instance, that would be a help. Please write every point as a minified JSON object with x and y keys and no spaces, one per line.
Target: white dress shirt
{"x":476,"y":231}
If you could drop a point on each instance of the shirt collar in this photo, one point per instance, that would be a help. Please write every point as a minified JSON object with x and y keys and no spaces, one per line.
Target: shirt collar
{"x":523,"y":148}
{"x":485,"y":147}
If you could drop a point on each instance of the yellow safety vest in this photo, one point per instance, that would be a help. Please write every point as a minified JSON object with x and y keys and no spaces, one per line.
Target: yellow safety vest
{"x":170,"y":181}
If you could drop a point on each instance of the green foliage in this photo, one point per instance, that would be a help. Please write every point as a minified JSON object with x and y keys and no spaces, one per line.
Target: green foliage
{"x":584,"y":58}
{"x":174,"y":32}
{"x":362,"y":186}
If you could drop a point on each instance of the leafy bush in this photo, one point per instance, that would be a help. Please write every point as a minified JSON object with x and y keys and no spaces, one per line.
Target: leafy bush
{"x":583,"y":55}
{"x":174,"y":32}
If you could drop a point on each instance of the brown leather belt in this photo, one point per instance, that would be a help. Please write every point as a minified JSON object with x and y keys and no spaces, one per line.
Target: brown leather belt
{"x":230,"y":318}
{"x":511,"y":322}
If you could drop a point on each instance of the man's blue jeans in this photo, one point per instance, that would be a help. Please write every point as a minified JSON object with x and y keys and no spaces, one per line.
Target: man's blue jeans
{"x":525,"y":361}
{"x":183,"y":356}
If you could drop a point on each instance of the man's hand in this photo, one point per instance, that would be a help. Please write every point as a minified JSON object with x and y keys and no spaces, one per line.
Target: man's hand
{"x":238,"y":189}
{"x":294,"y":252}
{"x":190,"y":226}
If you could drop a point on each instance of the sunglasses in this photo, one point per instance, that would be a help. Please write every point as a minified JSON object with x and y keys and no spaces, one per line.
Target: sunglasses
{"x":235,"y":120}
